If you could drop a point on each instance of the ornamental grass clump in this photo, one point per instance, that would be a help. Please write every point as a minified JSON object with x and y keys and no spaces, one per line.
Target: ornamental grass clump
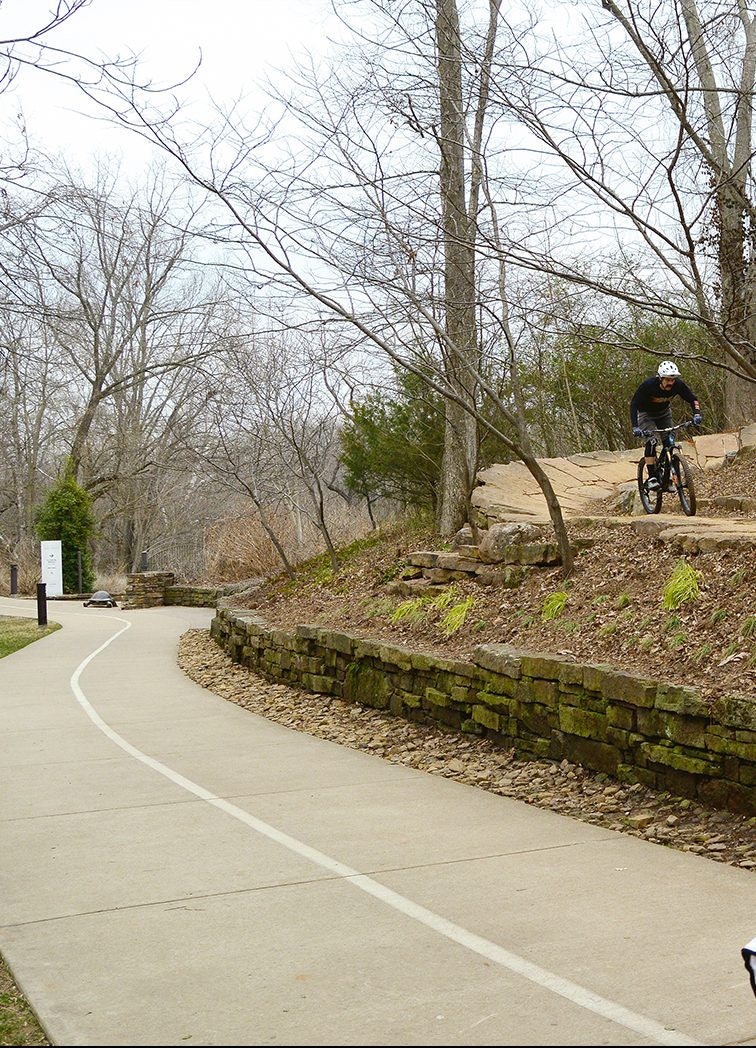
{"x":455,"y":617}
{"x":553,"y":605}
{"x":409,"y":611}
{"x":425,"y":609}
{"x":748,"y":628}
{"x":682,"y":586}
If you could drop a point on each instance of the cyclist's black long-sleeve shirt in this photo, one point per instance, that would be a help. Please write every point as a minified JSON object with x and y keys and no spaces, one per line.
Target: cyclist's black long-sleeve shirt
{"x":651,"y":398}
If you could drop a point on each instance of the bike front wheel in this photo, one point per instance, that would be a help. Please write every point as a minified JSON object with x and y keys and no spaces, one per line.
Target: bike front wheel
{"x":650,"y":500}
{"x":682,"y":478}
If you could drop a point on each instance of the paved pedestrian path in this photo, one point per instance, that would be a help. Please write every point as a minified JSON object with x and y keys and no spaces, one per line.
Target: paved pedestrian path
{"x":176,"y":870}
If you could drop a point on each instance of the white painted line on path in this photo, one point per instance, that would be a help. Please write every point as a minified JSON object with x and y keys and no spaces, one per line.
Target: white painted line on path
{"x":572,"y":992}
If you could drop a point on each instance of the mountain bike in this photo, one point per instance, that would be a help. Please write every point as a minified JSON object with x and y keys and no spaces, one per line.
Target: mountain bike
{"x":672,"y":471}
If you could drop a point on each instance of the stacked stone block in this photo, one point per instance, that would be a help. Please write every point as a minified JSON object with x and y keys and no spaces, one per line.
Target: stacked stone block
{"x":633,"y":728}
{"x":192,"y":596}
{"x":146,"y":589}
{"x":505,"y":554}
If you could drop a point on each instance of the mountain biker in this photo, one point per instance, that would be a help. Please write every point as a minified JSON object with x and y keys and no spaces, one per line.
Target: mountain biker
{"x":651,"y":409}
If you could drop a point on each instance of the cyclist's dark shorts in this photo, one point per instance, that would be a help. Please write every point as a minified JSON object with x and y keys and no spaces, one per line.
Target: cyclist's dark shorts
{"x":651,"y":422}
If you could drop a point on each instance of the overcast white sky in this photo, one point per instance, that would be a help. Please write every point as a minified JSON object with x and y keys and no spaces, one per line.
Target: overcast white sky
{"x":241,"y":41}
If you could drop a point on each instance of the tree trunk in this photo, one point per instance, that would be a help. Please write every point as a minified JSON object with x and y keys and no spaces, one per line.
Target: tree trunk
{"x":733,"y":219}
{"x":740,"y":401}
{"x":457,"y":470}
{"x":461,"y":349}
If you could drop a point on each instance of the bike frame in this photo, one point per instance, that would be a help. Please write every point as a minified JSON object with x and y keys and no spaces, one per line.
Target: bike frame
{"x":671,"y":470}
{"x":664,"y":457}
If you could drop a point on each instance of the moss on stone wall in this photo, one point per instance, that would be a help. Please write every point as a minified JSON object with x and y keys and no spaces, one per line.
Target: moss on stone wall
{"x":639,"y":730}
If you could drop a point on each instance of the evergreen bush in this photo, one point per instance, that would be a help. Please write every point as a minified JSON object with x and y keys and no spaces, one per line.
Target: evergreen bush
{"x":66,"y":514}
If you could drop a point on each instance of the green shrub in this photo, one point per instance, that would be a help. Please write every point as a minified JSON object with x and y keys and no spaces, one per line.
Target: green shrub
{"x":393,"y":442}
{"x":425,"y":607}
{"x":701,"y":654}
{"x":444,"y":599}
{"x":568,"y":626}
{"x":677,"y":640}
{"x":66,"y":516}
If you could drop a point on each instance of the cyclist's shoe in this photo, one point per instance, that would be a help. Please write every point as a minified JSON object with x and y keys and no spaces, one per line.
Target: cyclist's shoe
{"x":652,"y":484}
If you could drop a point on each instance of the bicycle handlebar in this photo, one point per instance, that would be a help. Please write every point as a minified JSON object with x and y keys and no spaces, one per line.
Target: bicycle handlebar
{"x":668,"y":429}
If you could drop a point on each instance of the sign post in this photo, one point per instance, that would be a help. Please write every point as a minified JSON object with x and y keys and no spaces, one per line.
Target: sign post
{"x":52,"y":567}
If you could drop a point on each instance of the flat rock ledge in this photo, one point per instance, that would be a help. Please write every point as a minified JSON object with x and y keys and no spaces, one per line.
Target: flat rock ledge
{"x":508,"y":492}
{"x":565,"y":788}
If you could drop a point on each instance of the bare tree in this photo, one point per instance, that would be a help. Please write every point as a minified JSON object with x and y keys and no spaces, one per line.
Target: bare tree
{"x":120,"y":295}
{"x":32,"y":426}
{"x":354,"y":220}
{"x":273,"y":435}
{"x":641,"y":127}
{"x":303,"y":415}
{"x":113,"y":320}
{"x":459,"y":225}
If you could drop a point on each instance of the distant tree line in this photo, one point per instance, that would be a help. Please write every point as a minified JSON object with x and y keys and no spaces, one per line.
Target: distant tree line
{"x":463,"y":241}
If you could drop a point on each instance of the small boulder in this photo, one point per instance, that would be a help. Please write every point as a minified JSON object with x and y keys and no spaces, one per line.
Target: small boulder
{"x":464,"y":537}
{"x":628,"y":501}
{"x":495,"y":543}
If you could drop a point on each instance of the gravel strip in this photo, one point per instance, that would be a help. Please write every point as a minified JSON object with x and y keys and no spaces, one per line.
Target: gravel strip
{"x":565,"y":788}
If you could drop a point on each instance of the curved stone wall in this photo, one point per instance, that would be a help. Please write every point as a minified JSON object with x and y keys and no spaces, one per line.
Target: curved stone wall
{"x":636,"y":729}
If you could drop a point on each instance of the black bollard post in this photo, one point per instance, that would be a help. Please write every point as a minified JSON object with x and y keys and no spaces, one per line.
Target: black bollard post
{"x":78,"y":568}
{"x":14,"y":580}
{"x":143,"y":563}
{"x":41,"y":603}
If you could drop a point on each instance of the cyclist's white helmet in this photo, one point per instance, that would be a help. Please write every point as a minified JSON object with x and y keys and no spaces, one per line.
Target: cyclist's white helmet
{"x":668,"y":369}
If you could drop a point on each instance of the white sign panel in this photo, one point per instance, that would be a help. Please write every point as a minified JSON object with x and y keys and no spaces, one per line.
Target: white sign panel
{"x":52,"y":567}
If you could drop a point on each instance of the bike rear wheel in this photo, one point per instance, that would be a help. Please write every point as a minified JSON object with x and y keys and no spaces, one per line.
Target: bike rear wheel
{"x":650,"y":500}
{"x":682,"y":478}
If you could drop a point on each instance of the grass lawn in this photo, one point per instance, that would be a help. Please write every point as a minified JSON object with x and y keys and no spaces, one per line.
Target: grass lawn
{"x":18,"y":1024}
{"x":16,"y":633}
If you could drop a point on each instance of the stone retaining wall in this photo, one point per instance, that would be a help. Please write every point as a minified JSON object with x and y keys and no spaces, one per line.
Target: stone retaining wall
{"x":636,"y":729}
{"x":153,"y":589}
{"x":146,"y":589}
{"x":193,"y":596}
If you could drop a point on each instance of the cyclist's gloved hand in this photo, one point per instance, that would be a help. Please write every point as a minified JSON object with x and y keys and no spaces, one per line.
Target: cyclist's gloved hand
{"x":638,"y":432}
{"x":697,"y":419}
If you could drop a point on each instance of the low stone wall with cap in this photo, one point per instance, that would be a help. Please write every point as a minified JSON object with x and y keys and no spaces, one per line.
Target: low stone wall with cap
{"x":146,"y":589}
{"x":635,"y":729}
{"x":193,"y":596}
{"x":153,"y":589}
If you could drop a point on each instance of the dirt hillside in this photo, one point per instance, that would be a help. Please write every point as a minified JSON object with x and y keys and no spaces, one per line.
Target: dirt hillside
{"x":611,"y":608}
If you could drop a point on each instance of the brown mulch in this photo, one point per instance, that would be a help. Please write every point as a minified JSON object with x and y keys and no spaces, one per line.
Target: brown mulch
{"x":561,"y":787}
{"x":613,"y":614}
